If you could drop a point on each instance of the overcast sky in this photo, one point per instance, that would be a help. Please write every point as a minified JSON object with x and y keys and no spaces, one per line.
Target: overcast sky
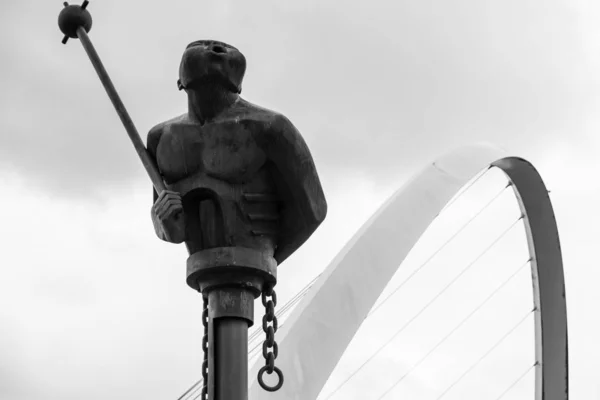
{"x":94,"y":306}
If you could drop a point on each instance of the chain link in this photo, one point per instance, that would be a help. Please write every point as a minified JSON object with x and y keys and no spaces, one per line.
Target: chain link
{"x":205,"y":349}
{"x":270,"y":349}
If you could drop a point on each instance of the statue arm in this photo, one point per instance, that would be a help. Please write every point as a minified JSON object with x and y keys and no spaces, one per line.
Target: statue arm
{"x":296,"y":178}
{"x":151,"y":145}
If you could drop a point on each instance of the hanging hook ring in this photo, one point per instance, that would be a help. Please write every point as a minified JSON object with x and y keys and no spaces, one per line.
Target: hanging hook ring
{"x":264,"y":385}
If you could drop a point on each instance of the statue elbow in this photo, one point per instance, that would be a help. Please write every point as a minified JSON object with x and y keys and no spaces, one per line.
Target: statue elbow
{"x":319,"y":212}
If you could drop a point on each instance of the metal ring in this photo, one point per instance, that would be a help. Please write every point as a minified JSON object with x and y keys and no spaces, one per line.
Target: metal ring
{"x":267,"y":387}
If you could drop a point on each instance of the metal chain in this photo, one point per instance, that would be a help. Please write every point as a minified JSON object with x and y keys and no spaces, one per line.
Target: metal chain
{"x":270,"y":349}
{"x":205,"y":349}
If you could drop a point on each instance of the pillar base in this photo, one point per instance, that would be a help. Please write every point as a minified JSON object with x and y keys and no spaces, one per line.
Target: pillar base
{"x":230,"y":278}
{"x":231,"y":266}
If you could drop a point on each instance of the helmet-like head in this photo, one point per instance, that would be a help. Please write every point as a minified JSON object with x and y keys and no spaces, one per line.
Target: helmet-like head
{"x":210,"y":61}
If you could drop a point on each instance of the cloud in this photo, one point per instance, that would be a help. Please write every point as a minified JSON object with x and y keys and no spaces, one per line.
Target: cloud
{"x":373,"y":88}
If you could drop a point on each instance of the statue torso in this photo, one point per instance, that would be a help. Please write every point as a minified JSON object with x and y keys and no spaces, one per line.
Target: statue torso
{"x":225,"y":150}
{"x":224,"y":178}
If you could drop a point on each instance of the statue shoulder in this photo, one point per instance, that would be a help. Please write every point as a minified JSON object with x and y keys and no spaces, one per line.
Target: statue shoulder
{"x":157,"y":131}
{"x":272,"y":124}
{"x":249,"y":111}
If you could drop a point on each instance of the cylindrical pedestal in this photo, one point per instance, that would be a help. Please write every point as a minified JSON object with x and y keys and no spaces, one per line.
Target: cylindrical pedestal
{"x":230,"y":312}
{"x":231,"y":277}
{"x":230,"y":359}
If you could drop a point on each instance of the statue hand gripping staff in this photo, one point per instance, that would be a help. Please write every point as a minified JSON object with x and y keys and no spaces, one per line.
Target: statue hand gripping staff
{"x":236,"y":183}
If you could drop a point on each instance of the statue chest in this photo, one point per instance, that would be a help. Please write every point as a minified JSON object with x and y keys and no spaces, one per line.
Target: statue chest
{"x":224,"y":151}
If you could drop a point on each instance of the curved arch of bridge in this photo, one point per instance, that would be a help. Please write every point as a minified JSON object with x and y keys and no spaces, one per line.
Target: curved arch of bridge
{"x":323,"y":324}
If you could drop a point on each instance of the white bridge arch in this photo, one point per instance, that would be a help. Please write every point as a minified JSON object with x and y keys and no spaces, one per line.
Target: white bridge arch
{"x":322,"y":326}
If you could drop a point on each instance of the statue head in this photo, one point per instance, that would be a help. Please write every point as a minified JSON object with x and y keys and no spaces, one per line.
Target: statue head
{"x":211,"y":61}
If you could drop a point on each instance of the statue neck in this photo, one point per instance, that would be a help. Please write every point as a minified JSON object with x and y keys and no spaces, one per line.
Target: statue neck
{"x":208,"y":101}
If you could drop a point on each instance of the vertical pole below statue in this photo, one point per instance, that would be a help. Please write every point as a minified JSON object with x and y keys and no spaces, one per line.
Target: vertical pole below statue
{"x":231,"y":355}
{"x":230,"y":314}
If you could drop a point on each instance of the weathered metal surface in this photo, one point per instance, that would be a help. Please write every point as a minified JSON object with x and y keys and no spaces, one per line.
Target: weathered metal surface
{"x":231,"y":311}
{"x":231,"y":302}
{"x":241,"y":175}
{"x":245,"y":267}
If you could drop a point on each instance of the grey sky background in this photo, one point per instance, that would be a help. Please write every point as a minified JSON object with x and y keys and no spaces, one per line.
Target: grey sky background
{"x":94,"y":306}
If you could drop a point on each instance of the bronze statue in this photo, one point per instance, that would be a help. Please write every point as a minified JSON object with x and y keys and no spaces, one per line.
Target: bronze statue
{"x":237,"y":184}
{"x":237,"y":174}
{"x":243,"y":193}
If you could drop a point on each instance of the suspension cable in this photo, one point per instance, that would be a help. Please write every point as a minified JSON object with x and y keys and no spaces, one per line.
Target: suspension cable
{"x":197,"y":396}
{"x":465,"y":188}
{"x":462,"y":228}
{"x":197,"y":391}
{"x":456,"y":328}
{"x":523,"y":375}
{"x":399,"y":331}
{"x":507,"y":334}
{"x":448,"y":241}
{"x":195,"y":385}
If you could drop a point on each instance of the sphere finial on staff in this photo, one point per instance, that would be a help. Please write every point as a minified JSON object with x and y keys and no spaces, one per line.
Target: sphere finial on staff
{"x":72,"y":17}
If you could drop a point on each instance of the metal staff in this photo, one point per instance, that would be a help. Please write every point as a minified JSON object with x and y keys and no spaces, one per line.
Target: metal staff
{"x":75,"y":22}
